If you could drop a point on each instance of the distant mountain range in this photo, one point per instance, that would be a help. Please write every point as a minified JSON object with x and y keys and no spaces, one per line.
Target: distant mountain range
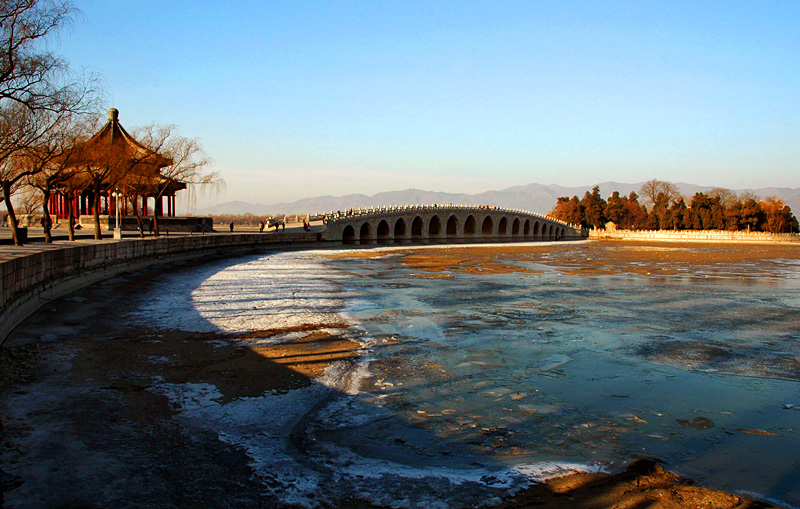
{"x":533,"y":197}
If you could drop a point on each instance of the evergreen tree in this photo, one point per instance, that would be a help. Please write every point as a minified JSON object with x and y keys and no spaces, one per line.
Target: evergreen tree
{"x":593,"y":206}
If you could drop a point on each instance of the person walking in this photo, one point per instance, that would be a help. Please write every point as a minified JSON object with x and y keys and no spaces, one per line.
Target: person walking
{"x":231,"y":225}
{"x":261,"y":226}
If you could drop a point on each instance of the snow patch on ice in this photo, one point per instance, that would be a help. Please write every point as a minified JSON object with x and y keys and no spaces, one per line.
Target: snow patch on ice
{"x":268,"y":291}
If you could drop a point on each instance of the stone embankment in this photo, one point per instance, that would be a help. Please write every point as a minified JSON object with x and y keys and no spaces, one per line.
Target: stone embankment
{"x":34,"y":274}
{"x":693,"y":236}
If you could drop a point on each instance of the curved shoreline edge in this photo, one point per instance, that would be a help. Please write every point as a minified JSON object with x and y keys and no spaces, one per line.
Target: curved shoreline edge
{"x":32,"y":276}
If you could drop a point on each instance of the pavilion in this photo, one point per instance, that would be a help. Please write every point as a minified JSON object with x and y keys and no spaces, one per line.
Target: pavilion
{"x":130,"y":167}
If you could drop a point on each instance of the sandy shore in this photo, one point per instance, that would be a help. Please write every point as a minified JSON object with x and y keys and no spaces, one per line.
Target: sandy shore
{"x":99,"y":383}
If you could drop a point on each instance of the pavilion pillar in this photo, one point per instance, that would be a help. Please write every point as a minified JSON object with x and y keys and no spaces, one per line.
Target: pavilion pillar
{"x":159,"y":205}
{"x":144,"y":205}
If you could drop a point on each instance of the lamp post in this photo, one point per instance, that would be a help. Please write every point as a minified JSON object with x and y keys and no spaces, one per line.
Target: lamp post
{"x":117,"y":194}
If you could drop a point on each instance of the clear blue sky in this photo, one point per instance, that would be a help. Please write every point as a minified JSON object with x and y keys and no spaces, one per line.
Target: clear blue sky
{"x":294,"y":99}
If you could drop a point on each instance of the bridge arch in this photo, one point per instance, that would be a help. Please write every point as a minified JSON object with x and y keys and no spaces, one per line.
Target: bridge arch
{"x":502,"y":227}
{"x":487,"y":227}
{"x":416,"y":228}
{"x":470,"y":226}
{"x":383,"y":232}
{"x":365,"y":233}
{"x":349,"y":235}
{"x":526,"y":229}
{"x":434,"y":227}
{"x":536,"y":230}
{"x":399,"y":231}
{"x":452,"y":226}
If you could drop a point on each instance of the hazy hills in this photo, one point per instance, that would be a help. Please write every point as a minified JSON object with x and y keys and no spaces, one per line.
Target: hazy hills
{"x":534,"y":197}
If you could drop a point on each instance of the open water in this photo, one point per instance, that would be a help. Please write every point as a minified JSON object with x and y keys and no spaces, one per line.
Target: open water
{"x":475,"y":383}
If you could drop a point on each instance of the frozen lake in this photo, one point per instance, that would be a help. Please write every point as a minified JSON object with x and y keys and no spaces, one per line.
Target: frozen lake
{"x":508,"y":364}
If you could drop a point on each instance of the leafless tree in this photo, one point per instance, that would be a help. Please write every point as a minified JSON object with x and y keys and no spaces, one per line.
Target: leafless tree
{"x":653,"y":188}
{"x":727,"y":198}
{"x":36,"y":89}
{"x":27,"y":202}
{"x":55,"y":175}
{"x":27,"y":68}
{"x":188,"y":165}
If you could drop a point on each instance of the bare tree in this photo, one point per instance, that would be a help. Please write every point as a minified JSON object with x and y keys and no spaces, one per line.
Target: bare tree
{"x":56,"y":175}
{"x":136,"y":169}
{"x":727,"y":198}
{"x":27,"y":68}
{"x":188,"y":167}
{"x":652,"y":188}
{"x":27,"y":202}
{"x":36,"y":90}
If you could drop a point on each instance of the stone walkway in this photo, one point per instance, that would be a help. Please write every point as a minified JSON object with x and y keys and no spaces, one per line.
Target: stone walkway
{"x":37,"y":244}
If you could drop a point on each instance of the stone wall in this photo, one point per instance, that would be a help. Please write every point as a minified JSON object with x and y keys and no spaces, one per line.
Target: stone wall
{"x":30,"y":276}
{"x":165,"y":223}
{"x":693,"y":236}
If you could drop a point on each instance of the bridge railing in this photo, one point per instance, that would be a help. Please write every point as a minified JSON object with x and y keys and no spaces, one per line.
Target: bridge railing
{"x":369,"y":211}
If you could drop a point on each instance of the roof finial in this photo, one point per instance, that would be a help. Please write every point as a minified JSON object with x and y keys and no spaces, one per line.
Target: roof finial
{"x":113,"y":114}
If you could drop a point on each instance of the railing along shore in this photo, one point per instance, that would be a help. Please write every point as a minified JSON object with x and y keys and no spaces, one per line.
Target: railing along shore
{"x":694,"y":235}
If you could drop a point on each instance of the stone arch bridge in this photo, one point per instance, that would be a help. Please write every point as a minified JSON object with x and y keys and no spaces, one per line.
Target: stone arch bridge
{"x":420,"y":224}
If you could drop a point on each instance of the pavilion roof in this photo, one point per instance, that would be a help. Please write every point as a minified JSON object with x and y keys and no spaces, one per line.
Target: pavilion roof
{"x":113,"y":147}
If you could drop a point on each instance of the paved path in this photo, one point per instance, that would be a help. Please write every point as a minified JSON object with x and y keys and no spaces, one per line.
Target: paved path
{"x":36,"y":241}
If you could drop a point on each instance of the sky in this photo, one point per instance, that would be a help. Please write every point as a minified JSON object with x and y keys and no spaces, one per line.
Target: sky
{"x":294,"y":99}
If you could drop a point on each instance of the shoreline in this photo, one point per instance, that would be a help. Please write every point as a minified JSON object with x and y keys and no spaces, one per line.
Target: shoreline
{"x":296,"y":363}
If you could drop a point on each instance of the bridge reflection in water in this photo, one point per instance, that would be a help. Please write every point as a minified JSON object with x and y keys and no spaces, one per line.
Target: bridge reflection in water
{"x":422,"y":224}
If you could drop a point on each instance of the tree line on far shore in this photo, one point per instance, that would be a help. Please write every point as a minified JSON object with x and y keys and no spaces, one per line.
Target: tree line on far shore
{"x":664,"y":208}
